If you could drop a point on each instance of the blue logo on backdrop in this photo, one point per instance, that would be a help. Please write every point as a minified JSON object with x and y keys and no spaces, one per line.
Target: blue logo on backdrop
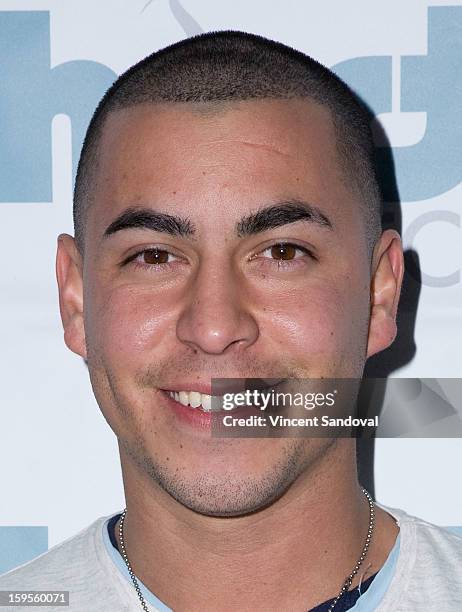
{"x":429,"y":83}
{"x":33,"y":93}
{"x":21,"y":544}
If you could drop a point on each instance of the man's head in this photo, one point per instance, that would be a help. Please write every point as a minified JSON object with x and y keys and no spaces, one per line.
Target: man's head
{"x":227,"y":222}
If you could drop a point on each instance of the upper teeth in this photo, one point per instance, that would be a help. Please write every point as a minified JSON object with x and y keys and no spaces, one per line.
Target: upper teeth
{"x":193,"y":399}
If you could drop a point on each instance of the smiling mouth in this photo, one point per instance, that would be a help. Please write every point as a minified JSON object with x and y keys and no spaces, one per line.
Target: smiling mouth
{"x":213,"y":403}
{"x":196,"y":400}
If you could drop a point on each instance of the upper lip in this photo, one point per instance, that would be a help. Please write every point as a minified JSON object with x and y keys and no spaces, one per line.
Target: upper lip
{"x":223,"y":385}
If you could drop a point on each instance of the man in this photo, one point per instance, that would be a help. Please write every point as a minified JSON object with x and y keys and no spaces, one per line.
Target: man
{"x":227,"y":225}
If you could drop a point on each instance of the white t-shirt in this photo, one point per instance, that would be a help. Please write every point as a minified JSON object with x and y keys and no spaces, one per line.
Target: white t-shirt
{"x":427,"y":574}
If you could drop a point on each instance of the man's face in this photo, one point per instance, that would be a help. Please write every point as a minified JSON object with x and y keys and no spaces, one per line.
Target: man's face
{"x":216,"y":302}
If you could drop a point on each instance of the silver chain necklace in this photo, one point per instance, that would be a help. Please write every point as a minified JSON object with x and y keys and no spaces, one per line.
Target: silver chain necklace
{"x":346,"y":584}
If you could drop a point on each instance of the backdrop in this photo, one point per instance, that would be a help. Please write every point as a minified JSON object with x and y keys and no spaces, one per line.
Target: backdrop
{"x":59,"y":459}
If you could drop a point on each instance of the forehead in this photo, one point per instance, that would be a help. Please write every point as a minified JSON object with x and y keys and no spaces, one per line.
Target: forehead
{"x":298,"y":128}
{"x":214,"y":157}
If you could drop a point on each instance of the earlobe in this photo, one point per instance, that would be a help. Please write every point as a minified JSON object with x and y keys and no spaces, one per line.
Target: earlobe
{"x":69,"y":272}
{"x":388,"y":270}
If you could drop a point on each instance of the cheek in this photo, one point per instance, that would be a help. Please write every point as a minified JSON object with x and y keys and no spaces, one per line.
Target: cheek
{"x":323,"y":328}
{"x":127,"y":322}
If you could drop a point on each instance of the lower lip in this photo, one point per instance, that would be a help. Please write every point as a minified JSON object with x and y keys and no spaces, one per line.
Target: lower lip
{"x":191,"y":416}
{"x":198,"y":419}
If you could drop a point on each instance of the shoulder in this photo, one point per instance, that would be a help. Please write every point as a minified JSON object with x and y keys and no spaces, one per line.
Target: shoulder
{"x":60,"y":560}
{"x":428,"y":574}
{"x":64,"y":562}
{"x":431,"y":541}
{"x":80,"y":565}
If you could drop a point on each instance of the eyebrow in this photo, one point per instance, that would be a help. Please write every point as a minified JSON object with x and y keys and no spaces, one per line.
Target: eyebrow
{"x":279,"y":214}
{"x":262,"y":219}
{"x":146,"y":218}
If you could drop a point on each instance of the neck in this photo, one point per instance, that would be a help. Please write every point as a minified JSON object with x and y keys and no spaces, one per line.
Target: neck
{"x":296,"y":551}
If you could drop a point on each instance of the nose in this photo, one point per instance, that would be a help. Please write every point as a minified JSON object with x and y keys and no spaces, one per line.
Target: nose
{"x":217,"y":316}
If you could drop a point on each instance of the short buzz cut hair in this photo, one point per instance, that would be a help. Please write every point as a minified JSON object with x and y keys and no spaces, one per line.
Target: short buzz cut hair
{"x":232,"y":66}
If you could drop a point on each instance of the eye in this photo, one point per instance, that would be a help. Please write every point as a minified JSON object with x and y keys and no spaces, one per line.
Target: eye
{"x":286,"y":254}
{"x":284,"y":251}
{"x":153,"y":257}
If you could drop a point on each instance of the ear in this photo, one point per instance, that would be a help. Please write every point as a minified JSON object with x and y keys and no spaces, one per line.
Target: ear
{"x":387,"y":277}
{"x":69,"y":274}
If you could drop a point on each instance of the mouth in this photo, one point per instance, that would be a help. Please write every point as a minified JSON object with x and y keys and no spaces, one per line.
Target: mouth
{"x":195,"y":408}
{"x":197,"y":401}
{"x":192,"y":409}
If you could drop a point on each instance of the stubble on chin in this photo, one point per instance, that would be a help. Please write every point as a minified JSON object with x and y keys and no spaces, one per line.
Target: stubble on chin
{"x":228,"y":493}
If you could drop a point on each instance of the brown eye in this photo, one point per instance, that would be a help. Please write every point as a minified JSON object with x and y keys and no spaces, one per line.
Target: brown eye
{"x":155,"y":256}
{"x":283,"y":251}
{"x":285,"y":254}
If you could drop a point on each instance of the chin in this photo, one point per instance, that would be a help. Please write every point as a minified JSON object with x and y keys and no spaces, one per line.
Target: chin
{"x":225,"y":498}
{"x":231,"y":491}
